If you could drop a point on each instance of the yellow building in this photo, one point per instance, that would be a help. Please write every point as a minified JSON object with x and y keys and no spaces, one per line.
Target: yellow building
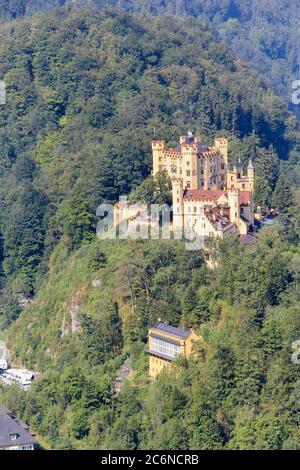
{"x":166,"y":343}
{"x":237,"y":179}
{"x":200,"y":166}
{"x":209,"y":199}
{"x":212,"y":213}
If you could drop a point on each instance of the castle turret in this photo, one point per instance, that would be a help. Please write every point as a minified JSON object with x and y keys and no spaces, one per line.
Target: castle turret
{"x":239,"y":169}
{"x":158,"y":148}
{"x":183,"y":139}
{"x":222,"y":145}
{"x":250,"y":174}
{"x":178,"y":208}
{"x":190,"y":165}
{"x":234,"y":205}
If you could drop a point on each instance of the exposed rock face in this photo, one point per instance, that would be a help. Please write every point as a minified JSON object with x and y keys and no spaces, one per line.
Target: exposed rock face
{"x":74,"y":311}
{"x":24,"y":301}
{"x":96,"y":282}
{"x":4,"y":352}
{"x":65,"y":327}
{"x":71,"y":324}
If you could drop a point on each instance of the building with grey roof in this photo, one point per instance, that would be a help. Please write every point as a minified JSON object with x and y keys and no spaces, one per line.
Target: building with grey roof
{"x":167,"y":343}
{"x":14,"y":435}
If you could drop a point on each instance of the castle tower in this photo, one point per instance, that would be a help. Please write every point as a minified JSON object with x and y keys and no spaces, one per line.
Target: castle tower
{"x":234,"y":205}
{"x":251,"y":175}
{"x":183,"y":139}
{"x":232,"y":178}
{"x":239,"y":169}
{"x":178,"y":208}
{"x":158,"y":148}
{"x":190,"y":165}
{"x":251,"y":209}
{"x":222,"y":145}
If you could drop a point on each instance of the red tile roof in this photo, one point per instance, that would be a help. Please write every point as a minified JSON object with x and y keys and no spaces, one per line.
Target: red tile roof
{"x":214,"y":195}
{"x":219,"y":217}
{"x":203,"y":195}
{"x":245,"y":198}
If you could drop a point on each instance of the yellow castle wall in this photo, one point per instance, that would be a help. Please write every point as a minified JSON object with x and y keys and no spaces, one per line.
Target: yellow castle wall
{"x":207,"y":171}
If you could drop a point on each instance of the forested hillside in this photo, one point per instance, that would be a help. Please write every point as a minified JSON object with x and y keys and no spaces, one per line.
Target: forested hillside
{"x":84,"y":94}
{"x":241,"y":391}
{"x":263,"y":33}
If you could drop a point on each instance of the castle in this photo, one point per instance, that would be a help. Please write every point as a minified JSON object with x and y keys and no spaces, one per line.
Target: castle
{"x":210,"y":199}
{"x":207,"y":195}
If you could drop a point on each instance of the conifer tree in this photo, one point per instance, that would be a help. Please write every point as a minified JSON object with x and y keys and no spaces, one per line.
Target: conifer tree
{"x":283,"y":195}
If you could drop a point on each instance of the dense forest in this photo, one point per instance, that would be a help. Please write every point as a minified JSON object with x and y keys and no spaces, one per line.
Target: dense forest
{"x":241,"y":389}
{"x":262,"y":33}
{"x":84,"y":94}
{"x":85,"y":91}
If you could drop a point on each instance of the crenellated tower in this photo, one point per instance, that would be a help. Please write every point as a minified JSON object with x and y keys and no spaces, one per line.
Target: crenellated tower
{"x":222,"y":145}
{"x":158,"y":148}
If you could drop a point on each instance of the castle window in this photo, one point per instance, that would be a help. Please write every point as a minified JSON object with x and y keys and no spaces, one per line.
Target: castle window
{"x":178,"y":201}
{"x":188,"y":173}
{"x":202,"y":183}
{"x":195,"y":210}
{"x":189,"y":209}
{"x":243,"y":186}
{"x":242,"y":210}
{"x":188,"y":184}
{"x":222,"y":166}
{"x":232,"y":178}
{"x":202,"y":172}
{"x":174,"y":169}
{"x":178,"y":210}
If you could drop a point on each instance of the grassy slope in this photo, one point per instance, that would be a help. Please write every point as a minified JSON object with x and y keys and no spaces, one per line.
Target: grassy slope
{"x":41,"y":323}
